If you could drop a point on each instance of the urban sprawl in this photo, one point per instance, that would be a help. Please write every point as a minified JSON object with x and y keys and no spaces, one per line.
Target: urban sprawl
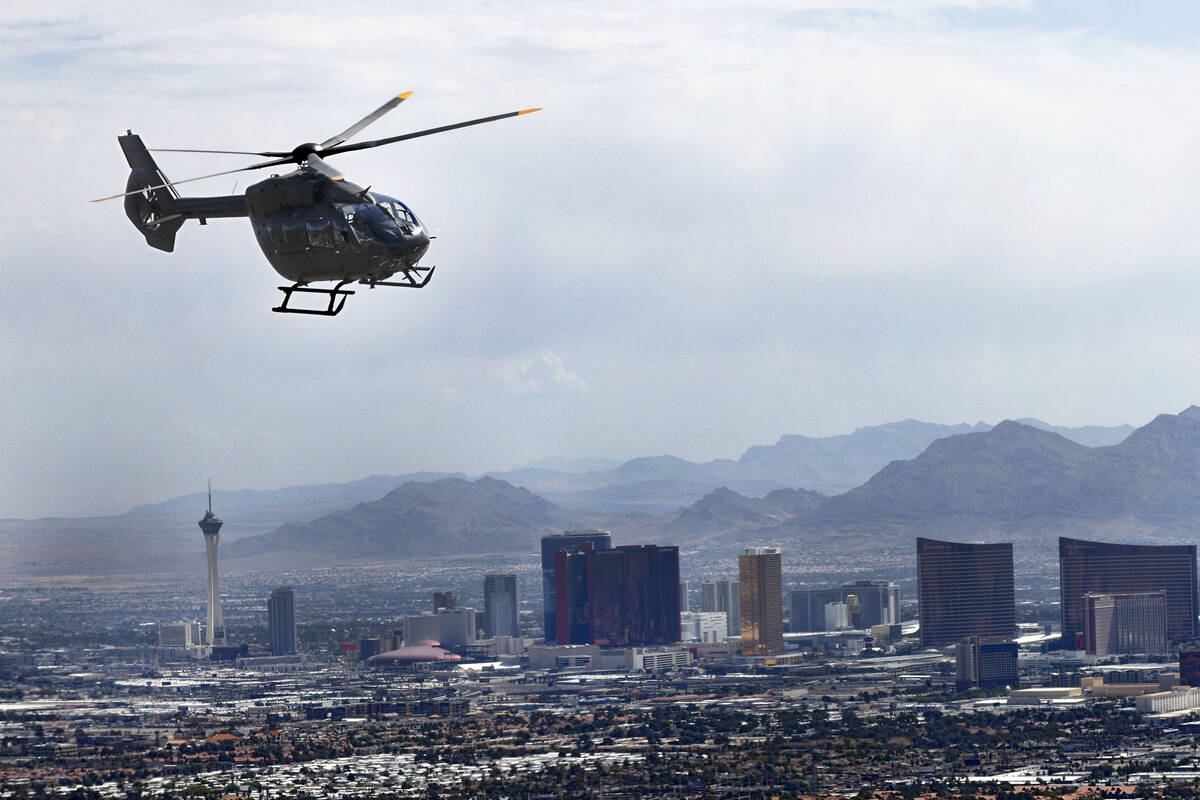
{"x":618,"y":676}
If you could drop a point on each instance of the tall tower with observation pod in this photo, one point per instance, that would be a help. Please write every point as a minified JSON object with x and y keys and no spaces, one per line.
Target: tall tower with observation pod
{"x":211,"y":526}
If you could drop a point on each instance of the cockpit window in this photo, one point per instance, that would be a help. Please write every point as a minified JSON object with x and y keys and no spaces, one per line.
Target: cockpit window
{"x":387,"y":217}
{"x":399,"y":212}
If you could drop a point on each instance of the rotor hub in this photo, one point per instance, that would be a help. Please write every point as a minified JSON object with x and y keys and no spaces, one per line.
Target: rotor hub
{"x":303,"y":151}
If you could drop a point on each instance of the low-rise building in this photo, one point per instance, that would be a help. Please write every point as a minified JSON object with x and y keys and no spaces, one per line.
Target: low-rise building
{"x":703,"y":626}
{"x":1181,"y":698}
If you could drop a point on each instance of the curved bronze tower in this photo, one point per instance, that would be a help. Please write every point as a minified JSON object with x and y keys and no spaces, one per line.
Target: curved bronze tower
{"x":964,"y":590}
{"x":1112,"y":568}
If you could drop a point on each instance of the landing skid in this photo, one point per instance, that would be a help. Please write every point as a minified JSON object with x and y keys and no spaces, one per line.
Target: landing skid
{"x":337,"y":298}
{"x":412,"y":278}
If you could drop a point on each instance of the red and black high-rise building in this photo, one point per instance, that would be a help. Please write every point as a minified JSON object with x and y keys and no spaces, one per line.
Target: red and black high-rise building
{"x":633,"y":594}
{"x":572,"y":601}
{"x":624,"y":597}
{"x":568,"y":540}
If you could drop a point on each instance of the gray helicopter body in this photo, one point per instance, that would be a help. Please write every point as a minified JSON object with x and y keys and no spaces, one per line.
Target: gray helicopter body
{"x":311,"y":224}
{"x":327,"y":239}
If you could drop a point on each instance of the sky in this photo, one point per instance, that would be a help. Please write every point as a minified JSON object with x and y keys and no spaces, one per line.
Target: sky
{"x":731,"y":221}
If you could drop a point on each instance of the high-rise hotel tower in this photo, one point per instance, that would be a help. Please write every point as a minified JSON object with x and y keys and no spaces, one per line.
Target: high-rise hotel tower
{"x":1111,"y":568}
{"x":760,"y":583}
{"x":567,"y":540}
{"x":632,"y":596}
{"x":965,"y":590}
{"x":281,"y":621}
{"x":501,"y":605}
{"x":211,"y":526}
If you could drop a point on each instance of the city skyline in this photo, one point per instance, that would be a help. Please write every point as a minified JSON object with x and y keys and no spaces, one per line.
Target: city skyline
{"x":642,"y":656}
{"x":862,"y":326}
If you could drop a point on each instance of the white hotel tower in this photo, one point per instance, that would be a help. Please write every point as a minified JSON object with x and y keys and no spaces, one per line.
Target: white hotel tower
{"x":211,"y":525}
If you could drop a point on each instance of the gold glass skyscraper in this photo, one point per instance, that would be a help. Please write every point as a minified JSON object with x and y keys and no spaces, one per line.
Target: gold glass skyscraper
{"x":760,"y":579}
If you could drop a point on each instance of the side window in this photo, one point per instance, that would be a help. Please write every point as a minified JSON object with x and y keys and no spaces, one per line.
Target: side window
{"x":320,"y":233}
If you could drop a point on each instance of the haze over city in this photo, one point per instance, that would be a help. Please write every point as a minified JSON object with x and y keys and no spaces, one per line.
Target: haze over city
{"x":804,"y":404}
{"x":730,"y":223}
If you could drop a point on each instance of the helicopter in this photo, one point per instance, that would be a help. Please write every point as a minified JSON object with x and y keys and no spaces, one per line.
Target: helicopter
{"x":312,"y":224}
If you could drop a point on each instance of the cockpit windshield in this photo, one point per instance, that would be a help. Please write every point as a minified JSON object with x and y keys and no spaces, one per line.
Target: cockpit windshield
{"x":389,"y":220}
{"x":398,"y":211}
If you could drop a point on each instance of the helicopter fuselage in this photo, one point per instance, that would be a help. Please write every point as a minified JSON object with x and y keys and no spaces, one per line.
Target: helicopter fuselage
{"x":312,"y":228}
{"x":312,"y":225}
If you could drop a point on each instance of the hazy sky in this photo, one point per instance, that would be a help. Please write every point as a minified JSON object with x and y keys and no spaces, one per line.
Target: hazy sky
{"x":730,"y":222}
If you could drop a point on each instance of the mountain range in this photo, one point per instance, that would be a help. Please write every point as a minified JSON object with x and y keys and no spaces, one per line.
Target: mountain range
{"x":1010,"y":479}
{"x":650,"y":484}
{"x":449,"y":516}
{"x":1016,"y":472}
{"x":965,"y":480}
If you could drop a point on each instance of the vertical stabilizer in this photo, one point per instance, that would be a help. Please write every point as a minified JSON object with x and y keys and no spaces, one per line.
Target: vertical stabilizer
{"x":152,"y":211}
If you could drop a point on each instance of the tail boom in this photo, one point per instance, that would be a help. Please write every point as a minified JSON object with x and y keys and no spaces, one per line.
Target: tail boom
{"x":159,"y":212}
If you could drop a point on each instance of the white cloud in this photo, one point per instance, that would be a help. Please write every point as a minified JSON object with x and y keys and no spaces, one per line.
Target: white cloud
{"x":789,"y":217}
{"x":542,"y":373}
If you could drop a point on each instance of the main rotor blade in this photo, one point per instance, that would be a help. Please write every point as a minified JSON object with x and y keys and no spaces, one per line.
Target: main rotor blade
{"x":346,"y":148}
{"x":345,"y":191}
{"x":219,"y":152}
{"x":273,"y":163}
{"x":318,"y":164}
{"x":365,"y":121}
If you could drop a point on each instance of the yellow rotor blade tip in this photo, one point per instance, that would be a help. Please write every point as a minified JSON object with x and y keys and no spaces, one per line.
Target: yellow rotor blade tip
{"x":404,"y":96}
{"x":528,"y":111}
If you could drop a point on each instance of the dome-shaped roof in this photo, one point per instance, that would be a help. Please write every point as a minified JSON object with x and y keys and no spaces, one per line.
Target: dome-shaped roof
{"x":421,"y":652}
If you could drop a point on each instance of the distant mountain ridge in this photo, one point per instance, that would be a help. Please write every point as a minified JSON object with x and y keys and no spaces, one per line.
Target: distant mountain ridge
{"x":573,"y":465}
{"x":724,"y":510}
{"x":1009,"y":472}
{"x":1020,"y":482}
{"x":1087,"y":435}
{"x":448,"y":516}
{"x":651,"y":484}
{"x":332,"y":495}
{"x":830,"y":465}
{"x":834,"y":464}
{"x":978,"y":481}
{"x":1010,"y":479}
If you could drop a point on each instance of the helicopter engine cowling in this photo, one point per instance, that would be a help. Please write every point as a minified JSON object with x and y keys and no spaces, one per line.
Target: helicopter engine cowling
{"x":277,"y":194}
